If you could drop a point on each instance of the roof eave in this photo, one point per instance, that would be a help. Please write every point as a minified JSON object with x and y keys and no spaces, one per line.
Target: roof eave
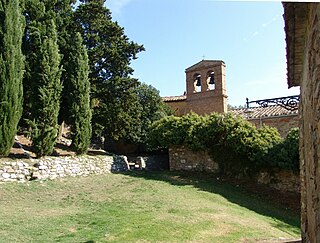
{"x":296,"y":20}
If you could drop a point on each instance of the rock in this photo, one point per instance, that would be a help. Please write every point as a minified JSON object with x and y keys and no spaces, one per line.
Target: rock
{"x":6,"y":175}
{"x":20,"y":164}
{"x":6,"y":168}
{"x":25,"y":164}
{"x":35,"y":175}
{"x":10,"y":170}
{"x":26,"y":172}
{"x":43,"y":167}
{"x":141,"y":163}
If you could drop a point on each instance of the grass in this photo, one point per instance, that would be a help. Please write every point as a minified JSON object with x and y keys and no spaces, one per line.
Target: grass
{"x":139,"y":207}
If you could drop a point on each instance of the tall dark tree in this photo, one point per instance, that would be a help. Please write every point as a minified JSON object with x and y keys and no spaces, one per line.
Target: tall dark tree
{"x":110,"y":53}
{"x":38,"y":12}
{"x":11,"y":72}
{"x":80,"y":97}
{"x":47,"y":91}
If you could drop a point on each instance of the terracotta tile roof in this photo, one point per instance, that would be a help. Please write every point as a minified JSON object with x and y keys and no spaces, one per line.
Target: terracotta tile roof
{"x":174,"y":98}
{"x":269,"y":111}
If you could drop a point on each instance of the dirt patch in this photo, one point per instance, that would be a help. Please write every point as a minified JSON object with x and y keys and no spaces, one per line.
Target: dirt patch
{"x":22,"y":148}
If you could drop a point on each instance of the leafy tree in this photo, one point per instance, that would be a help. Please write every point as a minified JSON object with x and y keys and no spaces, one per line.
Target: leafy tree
{"x":47,"y":91}
{"x":11,"y":72}
{"x":110,"y":53}
{"x":152,"y":108}
{"x":37,"y":13}
{"x":80,"y":97}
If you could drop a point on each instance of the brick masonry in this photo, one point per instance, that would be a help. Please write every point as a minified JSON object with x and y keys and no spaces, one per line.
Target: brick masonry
{"x":282,"y":123}
{"x":207,"y":99}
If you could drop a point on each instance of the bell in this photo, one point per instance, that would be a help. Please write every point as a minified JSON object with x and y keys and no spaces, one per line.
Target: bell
{"x":198,"y":81}
{"x":211,"y":79}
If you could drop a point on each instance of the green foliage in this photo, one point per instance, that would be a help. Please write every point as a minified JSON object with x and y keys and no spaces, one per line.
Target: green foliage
{"x":37,"y":14}
{"x":172,"y":130}
{"x":285,"y":154}
{"x":47,"y":93}
{"x":150,"y":108}
{"x":232,"y":141}
{"x":11,"y":72}
{"x":80,"y":97}
{"x":110,"y":52}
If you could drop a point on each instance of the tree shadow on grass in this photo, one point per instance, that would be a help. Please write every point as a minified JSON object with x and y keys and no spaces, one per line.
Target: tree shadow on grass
{"x":260,"y":200}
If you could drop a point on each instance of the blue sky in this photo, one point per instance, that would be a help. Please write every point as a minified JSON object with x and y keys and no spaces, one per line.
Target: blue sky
{"x":248,"y":36}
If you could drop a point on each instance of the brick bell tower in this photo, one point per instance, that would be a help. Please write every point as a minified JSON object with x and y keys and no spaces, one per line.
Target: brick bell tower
{"x":206,"y":87}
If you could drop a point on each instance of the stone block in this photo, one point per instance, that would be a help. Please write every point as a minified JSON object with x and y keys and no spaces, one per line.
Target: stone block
{"x":5,"y":175}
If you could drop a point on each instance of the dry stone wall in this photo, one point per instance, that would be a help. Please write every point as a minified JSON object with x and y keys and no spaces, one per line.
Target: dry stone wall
{"x":55,"y":167}
{"x":183,"y":159}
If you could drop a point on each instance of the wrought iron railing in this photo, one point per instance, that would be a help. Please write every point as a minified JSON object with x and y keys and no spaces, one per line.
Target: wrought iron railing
{"x":289,"y":102}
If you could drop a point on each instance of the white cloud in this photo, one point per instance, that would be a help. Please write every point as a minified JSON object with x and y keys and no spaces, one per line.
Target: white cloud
{"x":117,"y":5}
{"x":263,"y":26}
{"x":255,"y":34}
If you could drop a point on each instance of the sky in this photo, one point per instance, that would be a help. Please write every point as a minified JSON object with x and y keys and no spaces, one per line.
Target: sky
{"x":248,"y":36}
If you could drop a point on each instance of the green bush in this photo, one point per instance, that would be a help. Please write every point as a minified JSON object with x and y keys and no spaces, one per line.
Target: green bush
{"x":171,"y":130}
{"x":285,"y":154}
{"x":236,"y":144}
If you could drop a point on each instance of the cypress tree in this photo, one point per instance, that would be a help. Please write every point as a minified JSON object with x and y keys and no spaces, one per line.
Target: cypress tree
{"x":48,"y":90}
{"x":80,"y":97}
{"x":11,"y":72}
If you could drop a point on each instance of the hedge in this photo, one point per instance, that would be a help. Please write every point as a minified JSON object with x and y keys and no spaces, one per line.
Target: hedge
{"x":236,"y":144}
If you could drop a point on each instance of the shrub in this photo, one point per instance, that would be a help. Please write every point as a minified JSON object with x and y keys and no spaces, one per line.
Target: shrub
{"x":236,"y":144}
{"x":285,"y":154}
{"x":171,"y":130}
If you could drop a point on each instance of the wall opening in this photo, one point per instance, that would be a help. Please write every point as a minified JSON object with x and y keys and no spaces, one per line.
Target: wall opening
{"x":197,"y":83}
{"x":211,"y":80}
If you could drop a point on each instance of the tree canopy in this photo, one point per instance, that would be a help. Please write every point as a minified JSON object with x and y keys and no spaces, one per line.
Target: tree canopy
{"x":77,"y":70}
{"x":11,"y":72}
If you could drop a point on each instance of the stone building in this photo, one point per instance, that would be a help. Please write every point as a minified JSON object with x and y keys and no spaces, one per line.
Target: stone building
{"x":274,"y":116}
{"x":206,"y":90}
{"x":302,"y":27}
{"x":206,"y":93}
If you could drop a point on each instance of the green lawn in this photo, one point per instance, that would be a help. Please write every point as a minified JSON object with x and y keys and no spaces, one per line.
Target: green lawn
{"x":139,"y":207}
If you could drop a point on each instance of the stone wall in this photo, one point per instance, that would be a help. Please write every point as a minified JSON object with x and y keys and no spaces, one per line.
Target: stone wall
{"x":282,"y":180}
{"x":282,"y":123}
{"x":310,"y":130}
{"x":55,"y":167}
{"x":155,"y":162}
{"x":183,"y":159}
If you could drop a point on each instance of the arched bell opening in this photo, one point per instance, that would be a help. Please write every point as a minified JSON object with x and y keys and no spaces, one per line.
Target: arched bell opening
{"x":211,"y":80}
{"x":197,"y":82}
